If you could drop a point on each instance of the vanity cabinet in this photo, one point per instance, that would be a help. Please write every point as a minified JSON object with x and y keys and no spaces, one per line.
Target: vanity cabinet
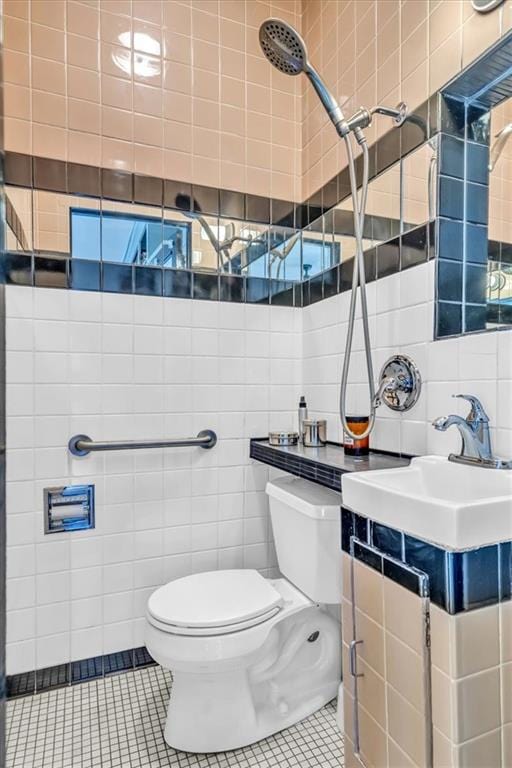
{"x":424,"y":687}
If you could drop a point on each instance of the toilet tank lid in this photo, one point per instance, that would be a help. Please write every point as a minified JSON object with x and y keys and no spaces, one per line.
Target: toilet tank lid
{"x":309,"y":498}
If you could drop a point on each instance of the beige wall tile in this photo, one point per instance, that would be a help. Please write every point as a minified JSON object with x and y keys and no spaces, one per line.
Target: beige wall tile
{"x":404,"y":615}
{"x":443,"y":750}
{"x":368,"y":587}
{"x":507,"y":745}
{"x":397,"y":758}
{"x":506,"y":693}
{"x":483,"y":751}
{"x":373,"y":740}
{"x":443,"y":703}
{"x":405,"y":671}
{"x":406,"y":727}
{"x":477,"y":645}
{"x":506,"y":631}
{"x":473,"y":719}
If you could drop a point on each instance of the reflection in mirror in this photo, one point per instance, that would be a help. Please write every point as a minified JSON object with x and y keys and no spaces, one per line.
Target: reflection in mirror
{"x":499,"y":266}
{"x":419,"y":186}
{"x":18,"y":216}
{"x":53,"y":222}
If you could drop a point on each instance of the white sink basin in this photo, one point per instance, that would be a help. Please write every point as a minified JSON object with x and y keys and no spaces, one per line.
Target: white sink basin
{"x":450,"y":504}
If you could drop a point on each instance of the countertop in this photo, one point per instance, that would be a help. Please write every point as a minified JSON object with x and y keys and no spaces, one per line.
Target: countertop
{"x":324,"y":465}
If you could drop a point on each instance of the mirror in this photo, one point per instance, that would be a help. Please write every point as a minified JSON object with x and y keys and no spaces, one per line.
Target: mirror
{"x":399,"y":199}
{"x":499,"y":264}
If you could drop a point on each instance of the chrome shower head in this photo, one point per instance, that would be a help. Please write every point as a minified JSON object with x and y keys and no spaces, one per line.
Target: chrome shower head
{"x":283,"y":47}
{"x":286,"y":51}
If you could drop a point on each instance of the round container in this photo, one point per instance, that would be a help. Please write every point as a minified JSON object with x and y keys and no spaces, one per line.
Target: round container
{"x":354,"y":447}
{"x":283,"y":438}
{"x":315,"y":433}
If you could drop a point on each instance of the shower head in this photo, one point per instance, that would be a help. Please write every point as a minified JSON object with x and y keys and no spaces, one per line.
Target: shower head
{"x":283,"y":47}
{"x":286,"y":51}
{"x":501,"y":139}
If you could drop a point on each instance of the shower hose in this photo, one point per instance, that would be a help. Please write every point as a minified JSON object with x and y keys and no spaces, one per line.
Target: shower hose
{"x":358,"y":280}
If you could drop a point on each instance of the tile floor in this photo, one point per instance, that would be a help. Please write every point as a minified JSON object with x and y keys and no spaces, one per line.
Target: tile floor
{"x":117,"y":722}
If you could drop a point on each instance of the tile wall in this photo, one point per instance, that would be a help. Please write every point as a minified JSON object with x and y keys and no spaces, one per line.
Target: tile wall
{"x":383,"y":52}
{"x":168,"y":88}
{"x":121,"y":367}
{"x":402,"y":320}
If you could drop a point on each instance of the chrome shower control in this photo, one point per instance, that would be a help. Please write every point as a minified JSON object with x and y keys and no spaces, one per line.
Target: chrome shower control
{"x":399,"y":384}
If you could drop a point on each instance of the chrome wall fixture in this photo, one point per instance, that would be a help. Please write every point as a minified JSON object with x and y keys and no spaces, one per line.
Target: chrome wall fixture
{"x":82,"y":445}
{"x":400,"y":384}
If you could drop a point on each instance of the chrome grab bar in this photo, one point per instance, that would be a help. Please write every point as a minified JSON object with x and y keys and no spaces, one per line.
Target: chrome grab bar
{"x":82,"y":445}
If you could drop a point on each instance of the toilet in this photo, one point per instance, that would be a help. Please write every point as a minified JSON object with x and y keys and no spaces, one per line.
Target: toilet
{"x":249,"y":655}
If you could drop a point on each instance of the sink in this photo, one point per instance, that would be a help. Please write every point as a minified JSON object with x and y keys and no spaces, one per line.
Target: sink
{"x":450,"y":504}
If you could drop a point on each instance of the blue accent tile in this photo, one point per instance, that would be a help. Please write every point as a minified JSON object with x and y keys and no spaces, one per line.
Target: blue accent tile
{"x":452,"y":116}
{"x":205,"y":286}
{"x":475,"y":578}
{"x":476,"y":317}
{"x":448,"y":318}
{"x":449,"y":280}
{"x":117,"y":662}
{"x":148,"y":281}
{"x":367,"y":556}
{"x":117,"y":278}
{"x":506,"y":570}
{"x":86,"y":669}
{"x":388,"y":258}
{"x":232,"y":288}
{"x":432,"y":561}
{"x":476,"y":244}
{"x":387,"y":540}
{"x":451,"y":156}
{"x":257,"y":290}
{"x":477,"y":163}
{"x":451,"y":198}
{"x":22,"y":684}
{"x":451,"y":239}
{"x":178,"y":283}
{"x":347,"y":528}
{"x":85,"y":275}
{"x":362,"y":528}
{"x":477,"y":203}
{"x":282,"y":294}
{"x":406,"y":578}
{"x":142,"y":657}
{"x":52,"y":677}
{"x":476,"y":284}
{"x":16,"y":269}
{"x":50,"y":272}
{"x":414,"y":247}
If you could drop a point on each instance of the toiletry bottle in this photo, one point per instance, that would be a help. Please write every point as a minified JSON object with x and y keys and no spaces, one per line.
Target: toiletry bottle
{"x":353,"y":446}
{"x":303,"y":414}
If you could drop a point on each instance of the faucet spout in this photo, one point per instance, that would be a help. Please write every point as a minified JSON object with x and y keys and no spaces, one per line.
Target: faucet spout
{"x":474,"y":432}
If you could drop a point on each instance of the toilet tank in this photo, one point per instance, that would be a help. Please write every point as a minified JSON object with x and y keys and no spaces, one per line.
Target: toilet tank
{"x":306,"y":520}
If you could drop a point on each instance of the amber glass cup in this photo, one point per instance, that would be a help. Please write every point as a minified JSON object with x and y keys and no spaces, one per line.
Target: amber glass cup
{"x":355,"y":447}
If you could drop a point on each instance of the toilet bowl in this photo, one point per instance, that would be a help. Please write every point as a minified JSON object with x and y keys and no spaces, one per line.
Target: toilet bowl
{"x":249,"y":655}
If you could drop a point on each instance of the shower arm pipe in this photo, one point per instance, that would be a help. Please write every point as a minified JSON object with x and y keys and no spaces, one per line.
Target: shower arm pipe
{"x":358,"y":279}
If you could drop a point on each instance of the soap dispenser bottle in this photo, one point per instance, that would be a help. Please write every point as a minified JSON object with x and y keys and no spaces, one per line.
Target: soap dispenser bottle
{"x":303,"y":414}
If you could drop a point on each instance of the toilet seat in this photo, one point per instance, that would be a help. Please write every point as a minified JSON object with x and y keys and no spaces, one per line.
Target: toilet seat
{"x":214,"y":603}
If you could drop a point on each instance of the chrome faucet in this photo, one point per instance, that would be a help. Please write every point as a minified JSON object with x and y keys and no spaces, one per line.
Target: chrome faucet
{"x":475,"y":434}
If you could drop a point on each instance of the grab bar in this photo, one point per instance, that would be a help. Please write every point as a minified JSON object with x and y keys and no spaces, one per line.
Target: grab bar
{"x":82,"y":445}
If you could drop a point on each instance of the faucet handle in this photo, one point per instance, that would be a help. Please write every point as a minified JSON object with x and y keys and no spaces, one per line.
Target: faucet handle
{"x":477,"y":412}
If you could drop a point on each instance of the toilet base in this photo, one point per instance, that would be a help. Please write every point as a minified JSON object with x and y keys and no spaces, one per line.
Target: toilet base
{"x":295,"y":673}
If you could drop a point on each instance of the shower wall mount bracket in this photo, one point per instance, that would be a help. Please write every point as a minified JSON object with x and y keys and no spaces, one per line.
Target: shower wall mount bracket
{"x":399,"y":383}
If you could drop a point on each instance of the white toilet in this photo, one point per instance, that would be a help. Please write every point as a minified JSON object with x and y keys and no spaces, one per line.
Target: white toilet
{"x":251,"y":656}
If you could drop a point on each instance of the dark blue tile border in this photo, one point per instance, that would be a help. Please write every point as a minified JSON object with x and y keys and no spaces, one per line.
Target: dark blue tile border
{"x":458,"y":581}
{"x":82,"y":671}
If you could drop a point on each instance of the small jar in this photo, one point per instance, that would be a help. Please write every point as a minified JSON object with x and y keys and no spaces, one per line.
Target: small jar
{"x":356,"y":447}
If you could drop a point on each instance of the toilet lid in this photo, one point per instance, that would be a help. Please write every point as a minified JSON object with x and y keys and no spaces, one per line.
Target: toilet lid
{"x":214,"y":599}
